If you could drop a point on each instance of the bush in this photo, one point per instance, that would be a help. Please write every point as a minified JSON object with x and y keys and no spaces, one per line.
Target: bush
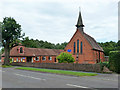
{"x":65,"y":58}
{"x":102,"y":64}
{"x":114,"y":61}
{"x":10,"y":60}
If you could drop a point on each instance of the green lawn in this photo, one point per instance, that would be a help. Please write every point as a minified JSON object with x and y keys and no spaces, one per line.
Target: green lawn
{"x":58,"y":71}
{"x":6,"y":66}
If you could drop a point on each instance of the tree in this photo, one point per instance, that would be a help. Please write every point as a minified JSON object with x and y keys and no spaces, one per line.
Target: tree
{"x":65,"y":58}
{"x":0,"y":34}
{"x":11,"y":33}
{"x":108,"y":46}
{"x":118,"y":45}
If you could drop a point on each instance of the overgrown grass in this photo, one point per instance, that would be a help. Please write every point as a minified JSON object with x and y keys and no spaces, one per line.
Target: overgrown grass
{"x":58,"y":71}
{"x":6,"y":66}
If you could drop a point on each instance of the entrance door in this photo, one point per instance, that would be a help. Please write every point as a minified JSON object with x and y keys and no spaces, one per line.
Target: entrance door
{"x":55,"y":60}
{"x":29,"y":59}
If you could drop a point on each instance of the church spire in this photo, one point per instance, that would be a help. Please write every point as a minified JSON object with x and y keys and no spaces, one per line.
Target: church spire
{"x":80,"y":23}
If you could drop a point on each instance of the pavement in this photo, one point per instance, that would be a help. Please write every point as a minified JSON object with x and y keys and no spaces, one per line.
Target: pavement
{"x":13,"y":78}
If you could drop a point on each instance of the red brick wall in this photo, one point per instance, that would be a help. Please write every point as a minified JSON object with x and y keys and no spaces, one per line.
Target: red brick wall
{"x":88,"y":55}
{"x":64,"y":66}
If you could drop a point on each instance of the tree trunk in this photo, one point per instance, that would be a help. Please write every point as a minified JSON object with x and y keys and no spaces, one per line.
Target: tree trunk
{"x":7,"y":52}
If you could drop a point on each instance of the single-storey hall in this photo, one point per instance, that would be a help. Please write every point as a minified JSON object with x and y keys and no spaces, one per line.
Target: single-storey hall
{"x":24,"y":54}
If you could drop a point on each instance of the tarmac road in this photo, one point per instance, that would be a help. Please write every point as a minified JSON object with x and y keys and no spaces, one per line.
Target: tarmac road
{"x":13,"y":78}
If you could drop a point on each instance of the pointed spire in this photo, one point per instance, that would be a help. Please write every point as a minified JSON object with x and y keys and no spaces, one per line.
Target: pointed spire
{"x":79,"y":23}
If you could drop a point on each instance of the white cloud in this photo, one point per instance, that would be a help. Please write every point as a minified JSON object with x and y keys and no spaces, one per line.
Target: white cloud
{"x":54,"y":21}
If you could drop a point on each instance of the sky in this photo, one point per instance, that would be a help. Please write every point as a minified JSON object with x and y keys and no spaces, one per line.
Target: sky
{"x":54,"y":20}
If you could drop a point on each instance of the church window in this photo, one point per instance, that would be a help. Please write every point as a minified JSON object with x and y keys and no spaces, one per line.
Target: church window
{"x":74,"y":47}
{"x":81,"y":48}
{"x":77,"y":46}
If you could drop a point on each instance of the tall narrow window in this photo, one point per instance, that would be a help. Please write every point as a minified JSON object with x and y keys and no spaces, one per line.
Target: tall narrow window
{"x":17,"y":59}
{"x":81,"y":48}
{"x":21,"y":50}
{"x":77,"y":46}
{"x":74,"y":47}
{"x":99,"y":57}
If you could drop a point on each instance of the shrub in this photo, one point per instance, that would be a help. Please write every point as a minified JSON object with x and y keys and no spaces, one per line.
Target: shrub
{"x":102,"y":64}
{"x":65,"y":58}
{"x":10,"y":60}
{"x":114,"y":61}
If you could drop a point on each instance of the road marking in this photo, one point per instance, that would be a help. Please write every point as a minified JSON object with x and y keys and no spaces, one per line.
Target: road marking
{"x":2,"y":71}
{"x":76,"y":86}
{"x":29,"y":76}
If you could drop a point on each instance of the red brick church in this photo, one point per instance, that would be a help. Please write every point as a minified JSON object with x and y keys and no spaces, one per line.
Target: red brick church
{"x":83,"y":47}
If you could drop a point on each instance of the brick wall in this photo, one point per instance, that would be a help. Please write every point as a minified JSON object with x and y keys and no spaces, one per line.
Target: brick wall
{"x":88,"y":56}
{"x":64,"y":66}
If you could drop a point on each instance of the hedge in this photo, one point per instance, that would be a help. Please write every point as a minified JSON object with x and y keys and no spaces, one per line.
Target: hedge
{"x":114,"y":61}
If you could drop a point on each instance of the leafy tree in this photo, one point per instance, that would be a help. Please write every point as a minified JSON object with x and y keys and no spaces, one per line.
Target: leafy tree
{"x":108,"y":46}
{"x":118,"y":45}
{"x":0,"y":34}
{"x":65,"y":58}
{"x":11,"y":32}
{"x":41,"y":44}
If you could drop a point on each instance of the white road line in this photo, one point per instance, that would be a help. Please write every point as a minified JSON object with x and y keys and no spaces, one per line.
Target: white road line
{"x":29,"y":76}
{"x":2,"y":71}
{"x":76,"y":86}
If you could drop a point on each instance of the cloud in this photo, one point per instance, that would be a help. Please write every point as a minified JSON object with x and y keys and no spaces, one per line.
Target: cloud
{"x":54,"y":21}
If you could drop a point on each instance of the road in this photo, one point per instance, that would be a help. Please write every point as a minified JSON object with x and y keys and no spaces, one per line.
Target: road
{"x":13,"y":78}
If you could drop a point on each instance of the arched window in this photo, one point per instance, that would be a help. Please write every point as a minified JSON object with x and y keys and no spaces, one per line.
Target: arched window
{"x":81,"y":51}
{"x":21,"y":50}
{"x":77,"y":46}
{"x":74,"y":47}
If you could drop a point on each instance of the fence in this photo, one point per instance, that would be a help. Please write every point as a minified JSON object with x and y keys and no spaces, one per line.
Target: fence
{"x":63,"y":66}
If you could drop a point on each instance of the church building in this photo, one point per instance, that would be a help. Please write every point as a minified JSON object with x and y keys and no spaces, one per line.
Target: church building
{"x":83,"y":47}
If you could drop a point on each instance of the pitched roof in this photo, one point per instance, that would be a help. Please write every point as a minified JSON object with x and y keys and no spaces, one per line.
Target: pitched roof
{"x":92,"y":42}
{"x":34,"y":52}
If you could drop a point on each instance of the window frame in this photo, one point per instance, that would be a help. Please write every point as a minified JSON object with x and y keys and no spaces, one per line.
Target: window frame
{"x":50,"y":58}
{"x":37,"y":59}
{"x":81,"y":47}
{"x":21,"y":60}
{"x":77,"y":45}
{"x":43,"y":59}
{"x":74,"y":47}
{"x":21,"y":49}
{"x":17,"y":59}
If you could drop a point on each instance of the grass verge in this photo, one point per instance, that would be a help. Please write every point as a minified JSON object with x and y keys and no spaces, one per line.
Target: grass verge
{"x":58,"y":71}
{"x":6,"y":66}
